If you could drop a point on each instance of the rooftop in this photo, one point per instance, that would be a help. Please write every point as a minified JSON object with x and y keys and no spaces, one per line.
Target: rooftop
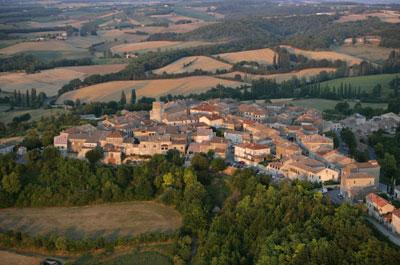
{"x":377,"y":200}
{"x":253,"y":146}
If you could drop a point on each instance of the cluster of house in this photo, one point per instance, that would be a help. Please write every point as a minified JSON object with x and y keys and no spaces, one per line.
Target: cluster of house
{"x":383,"y":211}
{"x":57,"y":36}
{"x":371,"y":40}
{"x":281,"y":139}
{"x":388,"y":122}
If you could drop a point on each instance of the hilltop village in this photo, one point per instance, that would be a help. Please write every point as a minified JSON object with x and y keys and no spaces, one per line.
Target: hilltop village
{"x":280,"y":140}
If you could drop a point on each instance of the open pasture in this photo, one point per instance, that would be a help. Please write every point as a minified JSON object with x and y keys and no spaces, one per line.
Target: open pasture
{"x":36,"y":114}
{"x":365,"y":83}
{"x":371,"y":53}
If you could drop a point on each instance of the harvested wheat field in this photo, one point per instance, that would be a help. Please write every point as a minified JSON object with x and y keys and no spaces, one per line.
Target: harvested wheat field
{"x":320,"y":55}
{"x":51,"y":45}
{"x":50,"y":81}
{"x":279,"y":78}
{"x":261,"y":56}
{"x":154,"y":46}
{"x":11,"y":258}
{"x":192,"y":63}
{"x":108,"y":220}
{"x":149,"y":88}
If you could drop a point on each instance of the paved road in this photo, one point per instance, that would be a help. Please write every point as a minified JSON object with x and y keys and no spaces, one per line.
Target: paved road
{"x":333,"y":195}
{"x":392,"y":237}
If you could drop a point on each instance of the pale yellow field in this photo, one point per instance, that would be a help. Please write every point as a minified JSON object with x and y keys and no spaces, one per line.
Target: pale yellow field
{"x":262,"y":56}
{"x":388,"y":16}
{"x":108,"y":220}
{"x":11,"y":258}
{"x":154,"y":46}
{"x":149,"y":88}
{"x":50,"y":81}
{"x":320,"y":55}
{"x":51,"y":45}
{"x":279,"y":78}
{"x":192,"y":63}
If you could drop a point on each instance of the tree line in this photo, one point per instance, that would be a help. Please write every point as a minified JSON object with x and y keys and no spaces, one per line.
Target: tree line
{"x":31,"y":64}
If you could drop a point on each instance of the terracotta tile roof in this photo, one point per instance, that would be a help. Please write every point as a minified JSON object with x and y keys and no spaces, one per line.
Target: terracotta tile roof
{"x":205,"y":107}
{"x":253,"y":146}
{"x":369,"y":164}
{"x":115,"y":134}
{"x":377,"y":200}
{"x":61,"y":139}
{"x":214,"y":117}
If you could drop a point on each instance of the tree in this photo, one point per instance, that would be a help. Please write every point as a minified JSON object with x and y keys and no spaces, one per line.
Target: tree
{"x":94,"y":155}
{"x":11,"y":183}
{"x":200,"y":162}
{"x":217,"y":164}
{"x":32,"y":140}
{"x":122,"y":101}
{"x":389,"y":168}
{"x":394,"y":105}
{"x":27,"y":98}
{"x":350,"y":139}
{"x":33,"y":96}
{"x":133,"y":96}
{"x":343,"y":107}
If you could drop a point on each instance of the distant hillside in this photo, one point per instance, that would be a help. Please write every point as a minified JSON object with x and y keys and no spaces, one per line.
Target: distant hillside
{"x":308,"y":32}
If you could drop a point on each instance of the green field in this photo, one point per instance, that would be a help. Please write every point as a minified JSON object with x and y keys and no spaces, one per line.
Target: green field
{"x":193,"y":13}
{"x":366,"y":52}
{"x":323,"y":104}
{"x":134,"y":258}
{"x":366,"y":83}
{"x":36,"y":114}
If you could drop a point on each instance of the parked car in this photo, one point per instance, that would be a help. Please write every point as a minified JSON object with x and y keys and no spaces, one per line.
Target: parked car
{"x":50,"y":261}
